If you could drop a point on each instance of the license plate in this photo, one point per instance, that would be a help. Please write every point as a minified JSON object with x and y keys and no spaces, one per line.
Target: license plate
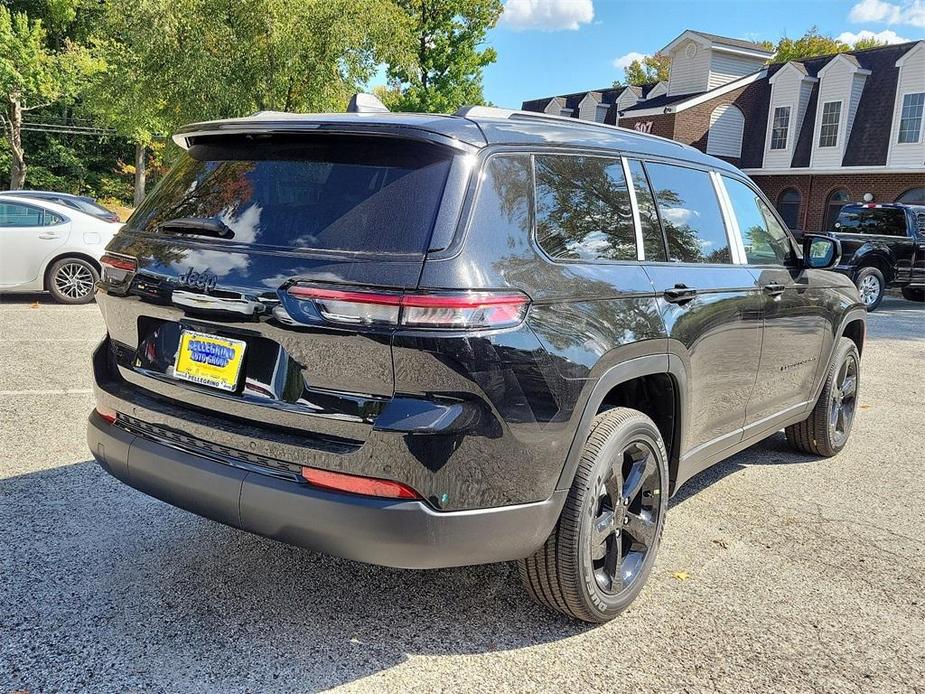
{"x":209,"y":360}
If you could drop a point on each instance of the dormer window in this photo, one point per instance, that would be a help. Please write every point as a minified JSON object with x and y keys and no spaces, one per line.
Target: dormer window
{"x":828,"y":130}
{"x":780,"y":127}
{"x":910,"y":121}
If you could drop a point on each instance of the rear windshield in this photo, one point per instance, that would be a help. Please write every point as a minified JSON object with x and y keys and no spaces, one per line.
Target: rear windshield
{"x":328,"y":193}
{"x":887,"y":221}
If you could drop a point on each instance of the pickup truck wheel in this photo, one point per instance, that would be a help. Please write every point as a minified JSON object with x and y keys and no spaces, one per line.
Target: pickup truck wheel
{"x":871,"y":285}
{"x":914,"y":293}
{"x":72,"y":281}
{"x":825,"y":432}
{"x":601,"y":551}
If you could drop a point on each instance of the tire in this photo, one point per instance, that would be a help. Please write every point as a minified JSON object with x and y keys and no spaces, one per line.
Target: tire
{"x":825,"y":432}
{"x":914,"y":293}
{"x":72,"y":281}
{"x":872,"y":286}
{"x":574,"y":572}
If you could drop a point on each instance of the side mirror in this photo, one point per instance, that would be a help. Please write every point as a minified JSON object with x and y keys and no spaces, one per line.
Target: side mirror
{"x":821,"y":252}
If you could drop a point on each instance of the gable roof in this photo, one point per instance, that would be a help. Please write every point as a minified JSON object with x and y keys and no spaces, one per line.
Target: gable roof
{"x":719,"y":42}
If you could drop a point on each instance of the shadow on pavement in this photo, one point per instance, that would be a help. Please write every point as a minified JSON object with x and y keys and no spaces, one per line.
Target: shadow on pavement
{"x":772,"y":451}
{"x":93,"y":572}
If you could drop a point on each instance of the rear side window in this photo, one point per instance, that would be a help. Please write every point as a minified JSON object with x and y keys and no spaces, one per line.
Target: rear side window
{"x":329,"y":193}
{"x":690,"y":214}
{"x":583,"y":208}
{"x":884,"y":221}
{"x":765,"y":241}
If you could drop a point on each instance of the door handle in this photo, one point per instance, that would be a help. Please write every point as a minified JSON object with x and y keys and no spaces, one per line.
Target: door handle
{"x":49,"y":236}
{"x":774,"y":289}
{"x":679,"y":294}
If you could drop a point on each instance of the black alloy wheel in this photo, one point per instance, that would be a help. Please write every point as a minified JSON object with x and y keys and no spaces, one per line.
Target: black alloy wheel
{"x":628,"y":508}
{"x":600,"y":552}
{"x":827,"y":428}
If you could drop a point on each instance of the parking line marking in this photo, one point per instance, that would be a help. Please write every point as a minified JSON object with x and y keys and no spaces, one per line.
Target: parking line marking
{"x":48,"y":339}
{"x":66,"y":391}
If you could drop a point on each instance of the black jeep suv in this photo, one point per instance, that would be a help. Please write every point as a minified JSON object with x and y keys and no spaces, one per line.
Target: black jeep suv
{"x":428,"y":341}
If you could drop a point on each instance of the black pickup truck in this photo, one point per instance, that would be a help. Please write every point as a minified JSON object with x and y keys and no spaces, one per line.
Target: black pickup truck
{"x":883,"y":245}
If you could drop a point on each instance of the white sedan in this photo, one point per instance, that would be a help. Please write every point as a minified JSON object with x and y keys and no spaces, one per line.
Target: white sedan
{"x":45,"y":246}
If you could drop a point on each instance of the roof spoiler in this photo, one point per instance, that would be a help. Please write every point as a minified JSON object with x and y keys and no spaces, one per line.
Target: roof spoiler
{"x":366,"y":103}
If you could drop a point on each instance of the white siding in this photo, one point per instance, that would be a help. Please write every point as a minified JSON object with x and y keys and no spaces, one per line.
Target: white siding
{"x":835,"y":85}
{"x":626,"y":99}
{"x":911,"y":79}
{"x":658,"y":90}
{"x":725,"y":67}
{"x":784,"y":92}
{"x":727,"y":124}
{"x":689,"y":75}
{"x":587,"y":108}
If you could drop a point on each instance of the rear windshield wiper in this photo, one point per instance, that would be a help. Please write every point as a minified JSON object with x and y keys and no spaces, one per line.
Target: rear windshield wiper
{"x":197,"y":226}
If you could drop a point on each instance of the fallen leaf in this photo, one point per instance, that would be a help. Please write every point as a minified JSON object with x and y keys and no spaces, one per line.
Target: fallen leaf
{"x":721,"y":543}
{"x":681,"y":575}
{"x":865,"y":407}
{"x":35,"y":304}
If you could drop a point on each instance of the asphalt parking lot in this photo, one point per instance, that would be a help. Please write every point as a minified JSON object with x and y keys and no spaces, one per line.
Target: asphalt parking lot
{"x":778,"y":572}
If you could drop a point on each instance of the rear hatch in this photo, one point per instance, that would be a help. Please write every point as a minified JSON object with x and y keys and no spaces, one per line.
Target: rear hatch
{"x":195,"y":286}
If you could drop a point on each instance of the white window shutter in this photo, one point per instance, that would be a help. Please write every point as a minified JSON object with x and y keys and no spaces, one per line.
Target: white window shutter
{"x":727,"y":126}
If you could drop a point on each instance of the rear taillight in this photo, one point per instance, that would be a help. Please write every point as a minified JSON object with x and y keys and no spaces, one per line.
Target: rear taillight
{"x":445,"y":310}
{"x":119,"y":262}
{"x":356,"y":484}
{"x":116,"y":268}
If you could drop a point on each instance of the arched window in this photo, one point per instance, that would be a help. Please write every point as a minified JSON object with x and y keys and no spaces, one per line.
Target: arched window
{"x":788,"y":204}
{"x":727,"y":123}
{"x":913,"y":196}
{"x":837,"y":200}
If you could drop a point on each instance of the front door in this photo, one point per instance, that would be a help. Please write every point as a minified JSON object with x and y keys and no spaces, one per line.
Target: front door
{"x":797,"y":321}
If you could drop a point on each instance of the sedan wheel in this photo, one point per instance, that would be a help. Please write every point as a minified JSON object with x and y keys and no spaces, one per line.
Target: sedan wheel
{"x":72,"y":281}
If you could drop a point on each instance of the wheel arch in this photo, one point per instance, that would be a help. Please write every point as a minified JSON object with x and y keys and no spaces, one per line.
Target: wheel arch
{"x":874,"y":258}
{"x":46,"y":271}
{"x":655,"y":385}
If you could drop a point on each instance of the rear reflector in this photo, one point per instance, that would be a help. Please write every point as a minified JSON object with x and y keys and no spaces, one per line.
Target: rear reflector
{"x":107,"y":413}
{"x":449,"y":310}
{"x":355,"y":484}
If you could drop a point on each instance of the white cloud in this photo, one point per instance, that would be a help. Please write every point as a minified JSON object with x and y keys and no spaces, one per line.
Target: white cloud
{"x":911,"y":12}
{"x":547,"y":15}
{"x":624,"y":60}
{"x":885,"y":36}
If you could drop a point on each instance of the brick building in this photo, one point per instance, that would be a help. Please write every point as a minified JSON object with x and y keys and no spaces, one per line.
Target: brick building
{"x":814,"y":134}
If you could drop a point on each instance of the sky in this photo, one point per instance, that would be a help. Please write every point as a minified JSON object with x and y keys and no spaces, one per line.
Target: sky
{"x":548,"y":47}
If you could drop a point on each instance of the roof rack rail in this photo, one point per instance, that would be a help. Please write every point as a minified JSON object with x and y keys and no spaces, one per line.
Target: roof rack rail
{"x":511,"y":114}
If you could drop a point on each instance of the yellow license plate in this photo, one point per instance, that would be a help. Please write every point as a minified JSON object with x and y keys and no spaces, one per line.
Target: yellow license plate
{"x":209,"y":360}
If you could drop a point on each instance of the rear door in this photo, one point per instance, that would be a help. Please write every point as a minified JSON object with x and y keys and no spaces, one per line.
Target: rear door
{"x":222,"y":239}
{"x":711,"y":308}
{"x":28,"y":235}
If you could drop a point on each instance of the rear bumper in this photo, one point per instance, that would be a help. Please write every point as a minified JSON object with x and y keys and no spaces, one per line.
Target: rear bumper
{"x":403,"y":534}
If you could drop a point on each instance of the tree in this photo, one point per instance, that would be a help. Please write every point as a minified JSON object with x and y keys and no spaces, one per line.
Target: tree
{"x":176,"y":61}
{"x":809,"y":45}
{"x":446,"y":71}
{"x":32,"y":76}
{"x":652,"y":68}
